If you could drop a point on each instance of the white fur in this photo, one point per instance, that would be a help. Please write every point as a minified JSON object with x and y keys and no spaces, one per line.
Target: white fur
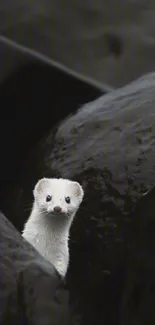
{"x":46,"y":231}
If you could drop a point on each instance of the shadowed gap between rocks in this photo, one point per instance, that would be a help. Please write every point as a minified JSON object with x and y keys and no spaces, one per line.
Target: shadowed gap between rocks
{"x":33,"y":99}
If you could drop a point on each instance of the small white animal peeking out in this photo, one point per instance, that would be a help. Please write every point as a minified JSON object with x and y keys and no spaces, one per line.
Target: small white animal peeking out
{"x":56,"y":202}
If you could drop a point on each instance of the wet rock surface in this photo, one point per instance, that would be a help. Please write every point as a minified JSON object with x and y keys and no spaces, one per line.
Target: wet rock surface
{"x":31,"y":291}
{"x":109,"y":147}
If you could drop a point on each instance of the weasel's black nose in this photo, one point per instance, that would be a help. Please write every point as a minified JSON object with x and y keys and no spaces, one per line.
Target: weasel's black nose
{"x":57,"y":209}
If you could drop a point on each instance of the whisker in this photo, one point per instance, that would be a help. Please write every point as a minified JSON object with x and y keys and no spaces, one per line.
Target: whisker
{"x":28,"y":204}
{"x":85,"y":209}
{"x":28,"y":209}
{"x":43,"y":212}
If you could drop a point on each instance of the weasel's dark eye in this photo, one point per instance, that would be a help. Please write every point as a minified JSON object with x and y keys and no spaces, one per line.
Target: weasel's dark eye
{"x":67,"y":199}
{"x":48,"y":198}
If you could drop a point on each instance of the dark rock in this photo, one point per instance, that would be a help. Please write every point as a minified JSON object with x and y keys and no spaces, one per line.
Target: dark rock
{"x":31,"y":291}
{"x":108,"y":146}
{"x":139,"y":290}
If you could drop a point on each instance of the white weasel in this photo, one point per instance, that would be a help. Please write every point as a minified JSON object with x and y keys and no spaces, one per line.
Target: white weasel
{"x":56,"y":202}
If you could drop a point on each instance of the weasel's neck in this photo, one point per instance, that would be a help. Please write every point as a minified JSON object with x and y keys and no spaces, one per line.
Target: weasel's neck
{"x":49,"y":235}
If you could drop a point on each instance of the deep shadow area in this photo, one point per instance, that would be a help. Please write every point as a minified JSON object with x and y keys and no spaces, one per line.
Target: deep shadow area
{"x":34,"y":99}
{"x":109,"y":147}
{"x":139,"y":289}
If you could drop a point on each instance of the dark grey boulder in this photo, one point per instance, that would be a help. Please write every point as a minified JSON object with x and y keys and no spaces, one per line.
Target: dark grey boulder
{"x":108,"y":146}
{"x":139,"y":289}
{"x":31,"y":292}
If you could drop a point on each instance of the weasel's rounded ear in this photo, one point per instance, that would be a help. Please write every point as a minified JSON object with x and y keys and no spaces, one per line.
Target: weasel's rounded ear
{"x":40,"y":186}
{"x":77,"y":190}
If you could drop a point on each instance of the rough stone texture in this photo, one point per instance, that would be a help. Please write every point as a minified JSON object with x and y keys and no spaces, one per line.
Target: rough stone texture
{"x":112,"y":41}
{"x":31,"y":291}
{"x":108,"y":146}
{"x":139,"y":290}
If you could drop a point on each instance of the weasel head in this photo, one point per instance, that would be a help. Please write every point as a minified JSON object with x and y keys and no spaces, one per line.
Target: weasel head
{"x":58,"y":196}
